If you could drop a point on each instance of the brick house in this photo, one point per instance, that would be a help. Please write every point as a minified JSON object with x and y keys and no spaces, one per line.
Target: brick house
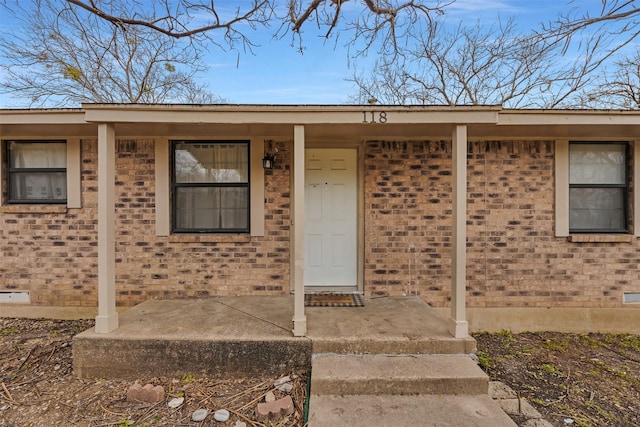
{"x":494,"y":217}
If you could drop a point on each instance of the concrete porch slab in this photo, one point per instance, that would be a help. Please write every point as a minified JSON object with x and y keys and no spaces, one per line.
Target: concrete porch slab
{"x":249,"y":334}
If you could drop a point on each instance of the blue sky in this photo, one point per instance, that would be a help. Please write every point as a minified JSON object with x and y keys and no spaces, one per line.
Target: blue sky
{"x":277,"y":73}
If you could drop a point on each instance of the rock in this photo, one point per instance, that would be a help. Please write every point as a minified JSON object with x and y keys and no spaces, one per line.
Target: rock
{"x":221,"y":415}
{"x":285,"y":388}
{"x":148,"y":393}
{"x":175,"y":402}
{"x":199,"y":415}
{"x":269,"y":397}
{"x":274,"y":410}
{"x":282,"y":381}
{"x":240,"y":424}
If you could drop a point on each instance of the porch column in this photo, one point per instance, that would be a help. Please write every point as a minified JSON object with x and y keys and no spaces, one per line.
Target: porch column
{"x":297,"y":231}
{"x":458,"y":326}
{"x":107,"y":319}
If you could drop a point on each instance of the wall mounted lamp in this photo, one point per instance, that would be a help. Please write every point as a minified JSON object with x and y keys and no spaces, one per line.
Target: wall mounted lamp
{"x":269,"y":158}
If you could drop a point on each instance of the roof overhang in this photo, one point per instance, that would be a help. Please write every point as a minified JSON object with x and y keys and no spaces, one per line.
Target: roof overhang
{"x":337,"y":122}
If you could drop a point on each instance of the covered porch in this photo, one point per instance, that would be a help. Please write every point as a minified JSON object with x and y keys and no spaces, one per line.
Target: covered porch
{"x":305,"y":127}
{"x":252,"y":334}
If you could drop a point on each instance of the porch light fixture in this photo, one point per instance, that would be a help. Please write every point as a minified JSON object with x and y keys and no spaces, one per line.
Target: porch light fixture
{"x":269,"y":158}
{"x":268,"y":161}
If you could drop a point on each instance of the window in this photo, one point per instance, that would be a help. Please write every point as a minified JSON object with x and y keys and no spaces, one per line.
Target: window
{"x":37,"y":171}
{"x":210,"y":186}
{"x":598,"y":189}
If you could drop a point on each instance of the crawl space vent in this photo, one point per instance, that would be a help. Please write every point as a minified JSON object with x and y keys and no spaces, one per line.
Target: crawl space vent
{"x":19,"y":297}
{"x":631,"y":297}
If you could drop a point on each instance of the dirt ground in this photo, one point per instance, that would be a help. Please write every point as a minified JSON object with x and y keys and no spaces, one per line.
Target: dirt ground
{"x":37,"y":387}
{"x":580,"y":380}
{"x":571,"y":379}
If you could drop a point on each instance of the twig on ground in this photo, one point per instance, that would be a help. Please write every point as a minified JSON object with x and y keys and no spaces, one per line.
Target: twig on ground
{"x":25,"y":359}
{"x":6,"y":391}
{"x":250,"y":421}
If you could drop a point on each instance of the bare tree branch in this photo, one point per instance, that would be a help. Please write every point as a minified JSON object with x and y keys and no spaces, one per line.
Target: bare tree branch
{"x":477,"y":65}
{"x":619,"y":87}
{"x":371,"y":21}
{"x":64,"y":55}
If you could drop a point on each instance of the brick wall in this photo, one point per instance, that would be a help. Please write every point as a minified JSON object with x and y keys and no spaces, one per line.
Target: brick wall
{"x":514,"y":258}
{"x":52,"y":251}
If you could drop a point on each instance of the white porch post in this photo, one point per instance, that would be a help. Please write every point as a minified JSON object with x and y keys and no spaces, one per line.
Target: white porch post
{"x":297,"y":230}
{"x":458,"y":325}
{"x":107,"y":319}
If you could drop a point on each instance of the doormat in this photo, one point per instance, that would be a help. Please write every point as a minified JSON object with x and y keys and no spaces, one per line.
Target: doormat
{"x":333,"y":300}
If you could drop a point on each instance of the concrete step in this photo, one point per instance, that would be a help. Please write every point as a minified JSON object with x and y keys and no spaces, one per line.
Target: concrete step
{"x":406,"y":411}
{"x":396,"y":374}
{"x":392,"y":344}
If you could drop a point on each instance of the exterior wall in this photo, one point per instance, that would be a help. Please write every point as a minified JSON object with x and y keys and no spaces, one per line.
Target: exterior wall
{"x":52,"y":251}
{"x":514,"y":258}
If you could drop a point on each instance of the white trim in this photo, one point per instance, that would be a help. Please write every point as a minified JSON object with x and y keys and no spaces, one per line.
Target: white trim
{"x":458,"y":326}
{"x":562,"y":187}
{"x":297,"y":232}
{"x":163,"y":187}
{"x":636,"y":188}
{"x":256,"y":186}
{"x":107,"y":319}
{"x":74,"y":172}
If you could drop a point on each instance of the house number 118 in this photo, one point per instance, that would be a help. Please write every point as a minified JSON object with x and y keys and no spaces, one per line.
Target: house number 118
{"x":371,"y":118}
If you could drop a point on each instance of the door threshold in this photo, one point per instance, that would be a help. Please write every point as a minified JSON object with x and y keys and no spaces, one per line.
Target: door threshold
{"x":333,"y":290}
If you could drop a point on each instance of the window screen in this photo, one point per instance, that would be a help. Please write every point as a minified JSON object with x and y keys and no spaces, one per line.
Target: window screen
{"x":597,"y":187}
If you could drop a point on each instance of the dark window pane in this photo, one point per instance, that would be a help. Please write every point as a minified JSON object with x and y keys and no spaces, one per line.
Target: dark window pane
{"x":596,"y":209}
{"x":208,"y":208}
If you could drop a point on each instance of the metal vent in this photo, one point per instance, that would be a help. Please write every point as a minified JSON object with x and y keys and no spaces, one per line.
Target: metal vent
{"x":631,"y":297}
{"x":18,"y":297}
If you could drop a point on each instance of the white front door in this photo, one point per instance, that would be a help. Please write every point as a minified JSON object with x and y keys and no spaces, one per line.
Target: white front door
{"x":331,"y":217}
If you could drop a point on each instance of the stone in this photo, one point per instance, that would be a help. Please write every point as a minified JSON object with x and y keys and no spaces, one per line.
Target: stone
{"x":175,"y":402}
{"x":221,"y":415}
{"x":269,"y":397}
{"x":282,"y":381}
{"x":240,"y":424}
{"x":499,"y":390}
{"x":274,"y":410}
{"x":285,"y":388}
{"x":199,"y":415}
{"x":152,"y":394}
{"x":149,"y":393}
{"x":134,"y":392}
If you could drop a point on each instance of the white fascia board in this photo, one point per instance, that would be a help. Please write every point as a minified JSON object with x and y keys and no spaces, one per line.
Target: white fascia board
{"x":235,"y":114}
{"x":21,"y":117}
{"x":568,"y":117}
